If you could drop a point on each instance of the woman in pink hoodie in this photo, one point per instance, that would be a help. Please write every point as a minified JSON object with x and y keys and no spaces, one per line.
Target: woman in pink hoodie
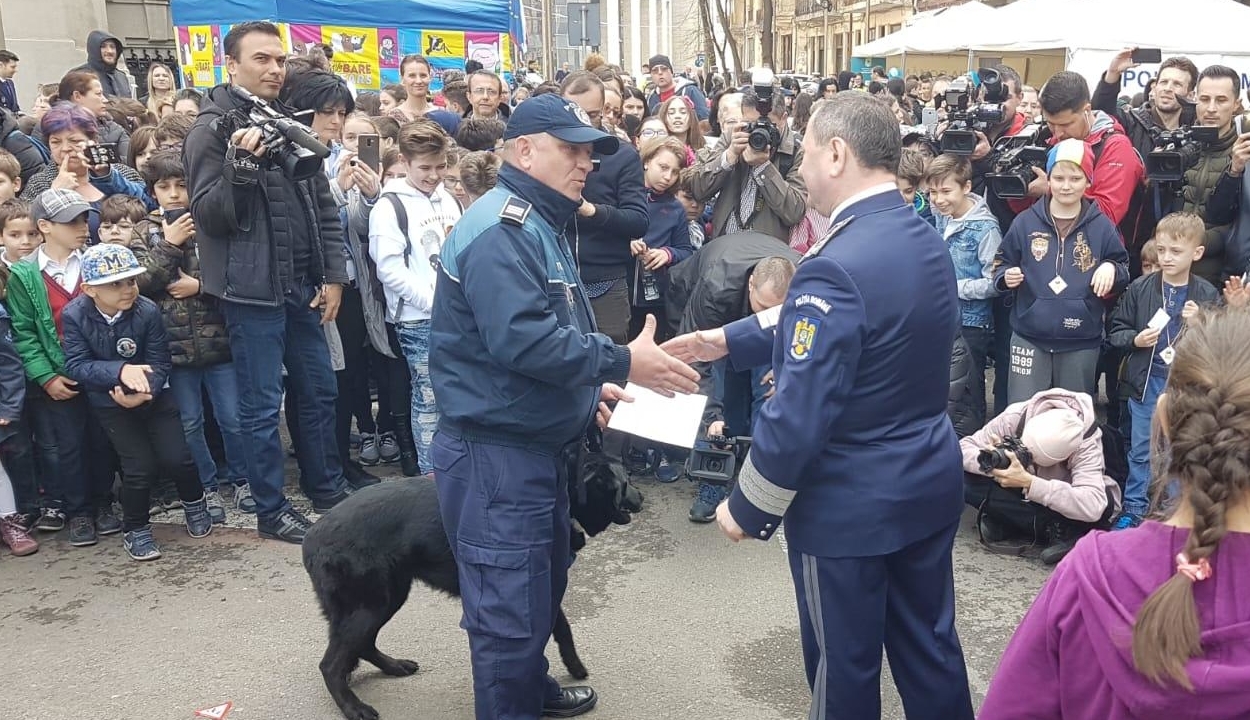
{"x":1154,"y":622}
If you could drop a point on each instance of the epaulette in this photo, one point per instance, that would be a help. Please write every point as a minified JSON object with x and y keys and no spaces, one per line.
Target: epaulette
{"x":515,"y":210}
{"x":815,"y":249}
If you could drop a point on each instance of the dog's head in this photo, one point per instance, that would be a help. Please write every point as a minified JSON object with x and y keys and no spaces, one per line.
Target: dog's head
{"x":601,"y":493}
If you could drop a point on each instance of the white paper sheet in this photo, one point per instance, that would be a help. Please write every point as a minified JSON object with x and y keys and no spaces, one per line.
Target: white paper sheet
{"x":674,"y":420}
{"x":1159,"y":321}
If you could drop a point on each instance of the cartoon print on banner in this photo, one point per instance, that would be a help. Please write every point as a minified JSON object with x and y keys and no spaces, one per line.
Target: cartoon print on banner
{"x":440,"y":65}
{"x":202,"y":55}
{"x":443,"y":44}
{"x":304,"y":35}
{"x":388,"y":48}
{"x":805,"y":329}
{"x":484,"y":48}
{"x":218,"y":57}
{"x":355,"y":54}
{"x":185,"y":62}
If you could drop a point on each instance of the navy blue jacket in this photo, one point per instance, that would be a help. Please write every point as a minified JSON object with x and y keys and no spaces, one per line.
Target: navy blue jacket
{"x":95,"y":351}
{"x":855,"y":449}
{"x":514,"y":356}
{"x":1073,"y":319}
{"x":669,"y":230}
{"x":601,"y":243}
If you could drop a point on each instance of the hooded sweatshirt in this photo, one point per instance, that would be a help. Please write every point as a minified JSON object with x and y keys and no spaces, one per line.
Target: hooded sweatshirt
{"x":406,"y":263}
{"x":111,"y":76}
{"x":1071,"y":319}
{"x":1071,"y":657}
{"x":973,"y":242}
{"x":1075,"y":488}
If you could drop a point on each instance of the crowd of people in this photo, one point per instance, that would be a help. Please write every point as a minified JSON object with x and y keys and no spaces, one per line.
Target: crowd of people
{"x":169,"y":287}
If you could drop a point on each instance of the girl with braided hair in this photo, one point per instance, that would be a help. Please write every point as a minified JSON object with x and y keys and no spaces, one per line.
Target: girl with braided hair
{"x":1154,"y":622}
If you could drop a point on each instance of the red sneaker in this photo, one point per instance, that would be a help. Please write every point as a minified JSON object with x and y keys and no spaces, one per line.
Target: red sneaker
{"x":15,"y":536}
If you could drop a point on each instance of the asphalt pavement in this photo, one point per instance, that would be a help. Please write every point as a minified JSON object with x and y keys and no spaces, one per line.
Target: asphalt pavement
{"x":672,"y":620}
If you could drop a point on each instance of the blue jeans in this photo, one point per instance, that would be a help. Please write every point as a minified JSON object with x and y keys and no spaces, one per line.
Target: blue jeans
{"x":1137,"y":489}
{"x":187,"y":385}
{"x":262,"y":341}
{"x":414,"y":340}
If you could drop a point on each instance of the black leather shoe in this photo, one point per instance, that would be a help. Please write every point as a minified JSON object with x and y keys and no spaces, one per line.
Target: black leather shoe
{"x":357,"y":476}
{"x":573,"y":701}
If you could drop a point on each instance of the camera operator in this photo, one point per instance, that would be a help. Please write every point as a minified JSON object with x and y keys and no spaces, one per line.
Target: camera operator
{"x":271,"y":249}
{"x":1050,"y":456}
{"x":759,"y":187}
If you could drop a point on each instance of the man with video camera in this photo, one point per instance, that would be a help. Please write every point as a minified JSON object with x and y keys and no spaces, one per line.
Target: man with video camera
{"x":271,"y":250}
{"x":755,"y":165}
{"x":1036,"y":473}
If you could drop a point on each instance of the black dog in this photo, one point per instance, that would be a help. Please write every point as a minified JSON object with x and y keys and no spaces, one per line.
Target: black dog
{"x":364,"y":555}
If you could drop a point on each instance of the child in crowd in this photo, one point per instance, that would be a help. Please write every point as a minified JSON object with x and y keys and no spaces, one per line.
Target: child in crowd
{"x":393,"y":165}
{"x":1149,"y":257}
{"x":477,"y":133}
{"x":667,"y":241}
{"x":451,"y":180}
{"x":972,"y":238}
{"x":18,"y":234}
{"x":479,"y":172}
{"x":14,"y":524}
{"x":694,"y":208}
{"x":912,"y":166}
{"x":10,"y":176}
{"x":142,"y":145}
{"x":77,"y":477}
{"x":115,"y":343}
{"x":1155,"y":621}
{"x":119,"y":214}
{"x":1061,"y":257}
{"x":164,"y":244}
{"x":406,"y":233}
{"x":1147,"y":322}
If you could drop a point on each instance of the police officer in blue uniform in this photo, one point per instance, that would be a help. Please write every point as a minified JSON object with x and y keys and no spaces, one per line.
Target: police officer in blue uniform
{"x":855,"y":450}
{"x":519,"y":373}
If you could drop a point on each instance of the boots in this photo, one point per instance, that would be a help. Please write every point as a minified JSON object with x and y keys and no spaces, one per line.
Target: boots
{"x":407,"y":446}
{"x":15,"y":536}
{"x":357,"y":476}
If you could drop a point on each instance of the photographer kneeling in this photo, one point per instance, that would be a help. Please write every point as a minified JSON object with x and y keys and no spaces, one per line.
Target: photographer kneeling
{"x":1037,"y":472}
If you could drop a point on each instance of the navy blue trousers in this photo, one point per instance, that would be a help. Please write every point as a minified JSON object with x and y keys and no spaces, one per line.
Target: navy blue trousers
{"x":506,"y":513}
{"x":850,"y":607}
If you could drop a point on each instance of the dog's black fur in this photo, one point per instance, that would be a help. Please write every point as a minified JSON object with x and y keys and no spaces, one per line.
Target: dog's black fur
{"x":364,"y":555}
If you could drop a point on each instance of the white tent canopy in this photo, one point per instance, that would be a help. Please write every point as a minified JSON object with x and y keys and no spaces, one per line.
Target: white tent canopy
{"x":933,"y":30}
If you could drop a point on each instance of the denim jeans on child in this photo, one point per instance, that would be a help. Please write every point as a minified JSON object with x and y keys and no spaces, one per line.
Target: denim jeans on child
{"x":187,"y":384}
{"x":1137,"y":489}
{"x":414,"y":339}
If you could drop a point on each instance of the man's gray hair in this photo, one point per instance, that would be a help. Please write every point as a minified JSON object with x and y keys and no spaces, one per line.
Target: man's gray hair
{"x":865,"y":123}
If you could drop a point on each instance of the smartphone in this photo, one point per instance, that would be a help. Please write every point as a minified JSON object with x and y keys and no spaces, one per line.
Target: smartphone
{"x":1147,"y":55}
{"x":170,"y":216}
{"x":104,"y":154}
{"x":368,"y":150}
{"x":929,"y":118}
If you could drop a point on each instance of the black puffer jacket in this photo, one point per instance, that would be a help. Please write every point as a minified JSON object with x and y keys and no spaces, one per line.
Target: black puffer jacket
{"x":22,"y":147}
{"x":196,"y":327}
{"x":958,"y":401}
{"x":244,"y":216}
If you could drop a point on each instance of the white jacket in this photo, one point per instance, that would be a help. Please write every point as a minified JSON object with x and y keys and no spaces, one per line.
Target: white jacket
{"x":409,"y":287}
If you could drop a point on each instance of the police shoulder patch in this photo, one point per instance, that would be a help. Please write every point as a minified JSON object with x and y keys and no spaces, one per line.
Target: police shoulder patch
{"x":805,"y":329}
{"x":515,"y":211}
{"x":809,"y":300}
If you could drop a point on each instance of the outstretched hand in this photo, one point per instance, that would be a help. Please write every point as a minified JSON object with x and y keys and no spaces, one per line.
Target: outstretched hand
{"x":655,"y":369}
{"x":698,"y":346}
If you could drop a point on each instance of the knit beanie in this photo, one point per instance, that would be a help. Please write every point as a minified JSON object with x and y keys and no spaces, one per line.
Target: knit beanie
{"x":1073,"y":151}
{"x":1053,"y":435}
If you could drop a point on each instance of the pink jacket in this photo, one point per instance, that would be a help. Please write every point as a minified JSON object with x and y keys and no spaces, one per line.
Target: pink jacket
{"x":1076,"y":488}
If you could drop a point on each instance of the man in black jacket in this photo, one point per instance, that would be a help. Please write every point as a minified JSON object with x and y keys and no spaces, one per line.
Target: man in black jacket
{"x":271,"y":248}
{"x":613,"y":212}
{"x":104,"y":58}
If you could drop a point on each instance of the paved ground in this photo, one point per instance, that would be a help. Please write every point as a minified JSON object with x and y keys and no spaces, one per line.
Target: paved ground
{"x":672,"y":620}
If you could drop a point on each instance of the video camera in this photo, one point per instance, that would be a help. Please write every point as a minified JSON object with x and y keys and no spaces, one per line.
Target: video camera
{"x":1177,"y":150}
{"x":1015,"y":156}
{"x":996,"y":457}
{"x":290,"y":144}
{"x":720,"y":463}
{"x":763,"y":134}
{"x":966,"y":118}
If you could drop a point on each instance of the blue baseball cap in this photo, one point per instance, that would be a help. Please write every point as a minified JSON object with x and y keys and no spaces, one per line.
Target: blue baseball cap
{"x":549,"y":113}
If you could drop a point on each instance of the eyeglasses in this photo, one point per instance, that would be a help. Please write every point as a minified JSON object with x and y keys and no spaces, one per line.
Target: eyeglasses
{"x":485,"y":92}
{"x":452,"y":182}
{"x":652,"y":133}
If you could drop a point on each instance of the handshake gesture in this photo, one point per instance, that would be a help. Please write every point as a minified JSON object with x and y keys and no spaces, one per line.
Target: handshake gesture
{"x":652,"y":367}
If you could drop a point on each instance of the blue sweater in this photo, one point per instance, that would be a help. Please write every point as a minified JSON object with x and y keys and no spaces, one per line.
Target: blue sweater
{"x":668,"y":229}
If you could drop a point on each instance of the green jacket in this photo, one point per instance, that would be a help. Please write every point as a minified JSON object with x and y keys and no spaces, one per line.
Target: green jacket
{"x":34,"y":332}
{"x":1200,"y":181}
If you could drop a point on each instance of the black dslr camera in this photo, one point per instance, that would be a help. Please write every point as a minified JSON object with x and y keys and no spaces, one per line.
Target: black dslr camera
{"x":1177,"y":150}
{"x":996,"y":457}
{"x":966,"y":118}
{"x":763,"y":134}
{"x":291,"y":145}
{"x":1015,"y":157}
{"x":720,"y":463}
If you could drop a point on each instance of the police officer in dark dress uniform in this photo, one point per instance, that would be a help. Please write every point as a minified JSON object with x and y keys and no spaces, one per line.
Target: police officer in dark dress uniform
{"x":855,"y":449}
{"x":519,"y":373}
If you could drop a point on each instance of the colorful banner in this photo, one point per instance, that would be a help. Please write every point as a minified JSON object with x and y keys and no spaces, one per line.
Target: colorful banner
{"x":367,"y":58}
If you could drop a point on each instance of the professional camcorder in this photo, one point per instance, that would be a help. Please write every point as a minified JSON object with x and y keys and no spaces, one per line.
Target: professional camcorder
{"x":290,"y":144}
{"x":1177,"y":150}
{"x":720,"y":463}
{"x":1015,"y":156}
{"x":763,"y":134}
{"x":996,"y":458}
{"x":966,"y":118}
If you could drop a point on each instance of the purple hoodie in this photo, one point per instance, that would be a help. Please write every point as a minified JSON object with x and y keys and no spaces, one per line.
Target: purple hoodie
{"x":1072,"y":658}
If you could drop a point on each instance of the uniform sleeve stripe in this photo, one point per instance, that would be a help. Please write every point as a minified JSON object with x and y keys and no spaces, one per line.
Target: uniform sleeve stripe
{"x":768,"y":318}
{"x":763,"y":493}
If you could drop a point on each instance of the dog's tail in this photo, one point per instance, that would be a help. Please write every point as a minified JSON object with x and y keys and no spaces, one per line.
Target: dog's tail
{"x":563,"y":635}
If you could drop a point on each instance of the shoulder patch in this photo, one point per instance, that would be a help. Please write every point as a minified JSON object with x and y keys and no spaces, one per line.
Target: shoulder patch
{"x":805,"y":329}
{"x":807,"y":299}
{"x":515,"y":211}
